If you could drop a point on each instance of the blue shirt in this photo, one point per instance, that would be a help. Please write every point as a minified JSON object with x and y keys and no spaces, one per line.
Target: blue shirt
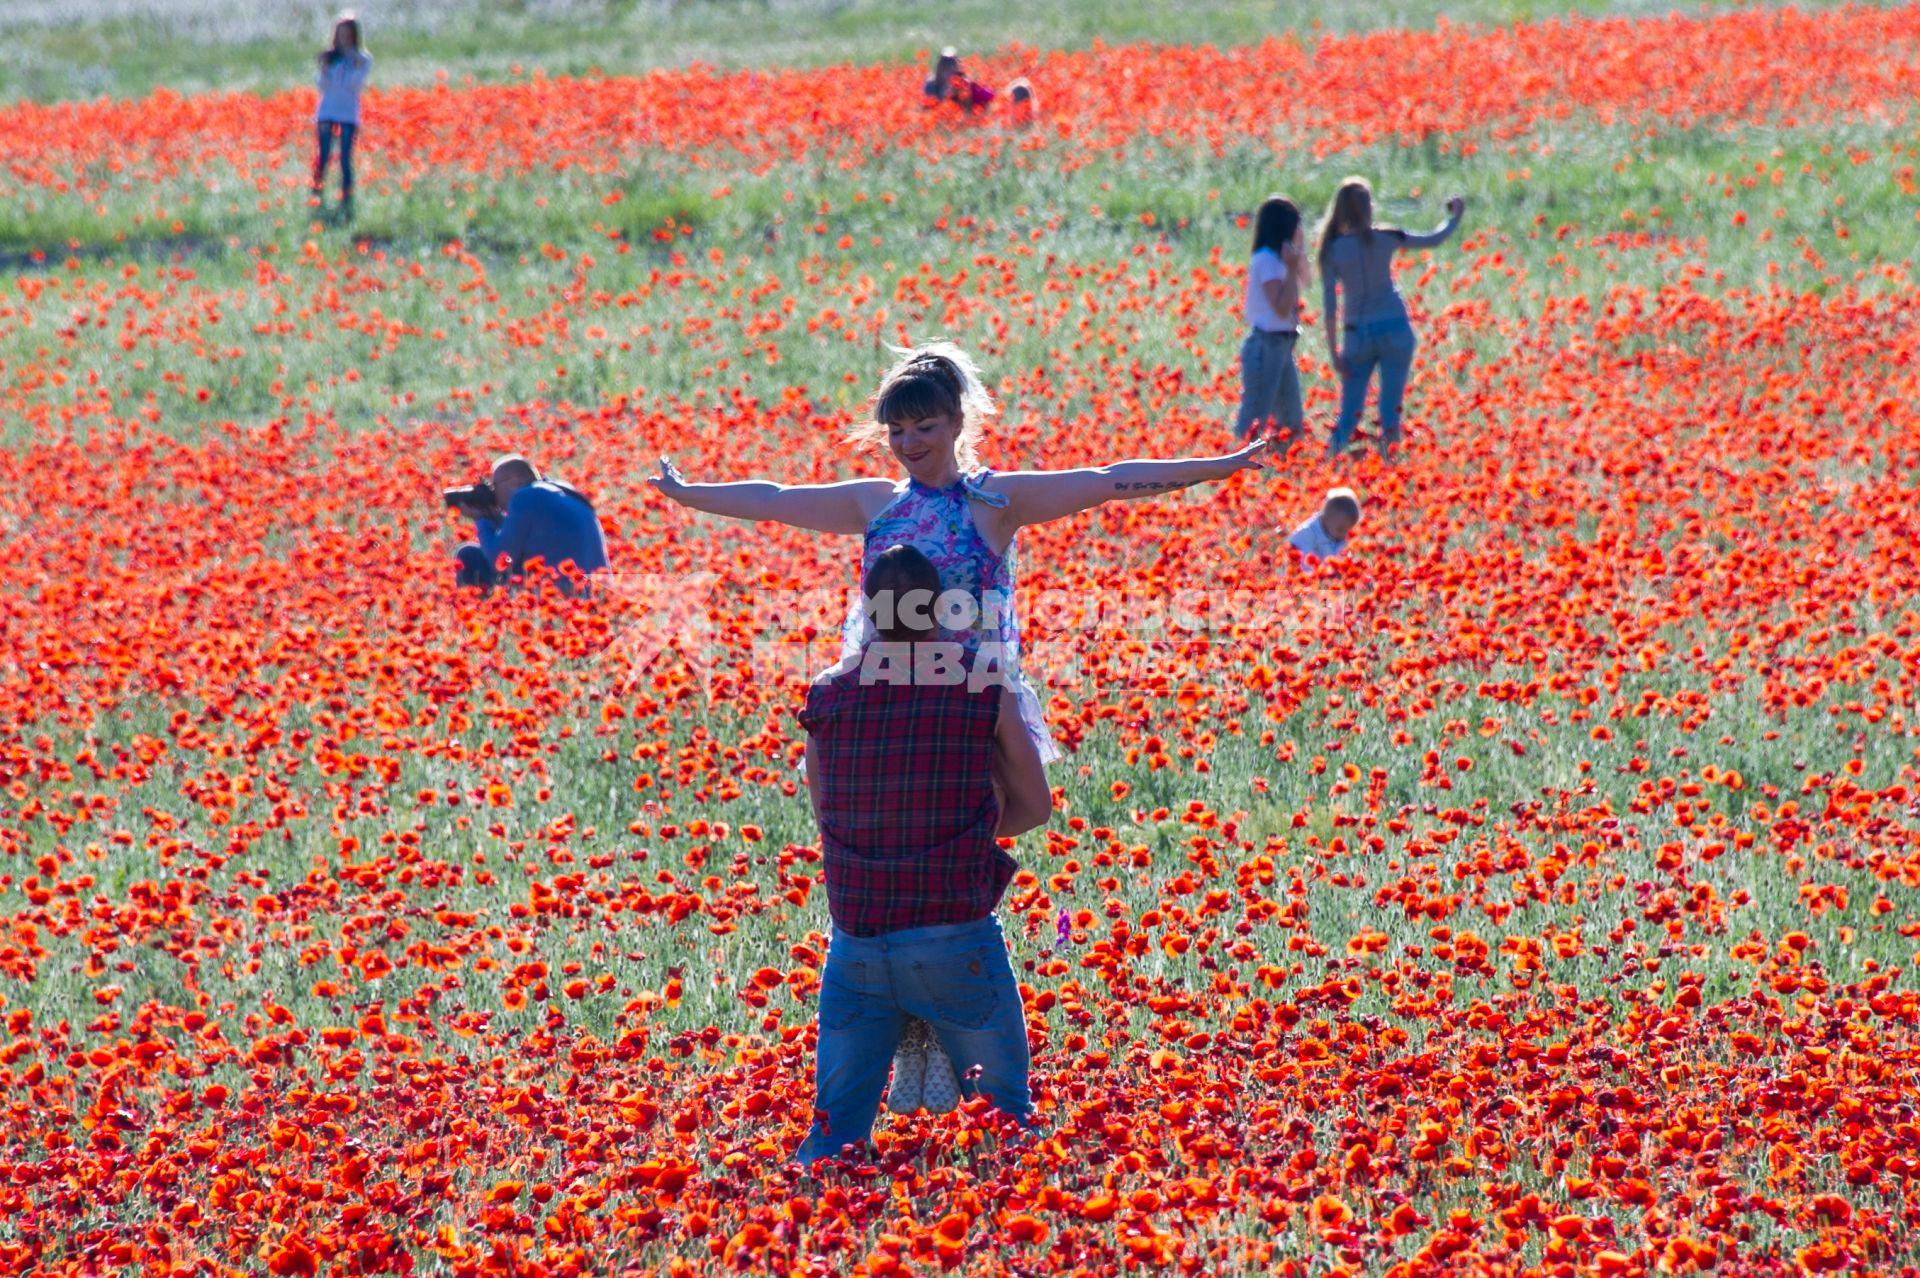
{"x":341,"y":80}
{"x":545,"y":520}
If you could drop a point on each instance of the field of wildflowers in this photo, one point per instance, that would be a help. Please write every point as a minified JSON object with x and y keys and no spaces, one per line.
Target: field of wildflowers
{"x":52,"y":49}
{"x":1535,"y":890}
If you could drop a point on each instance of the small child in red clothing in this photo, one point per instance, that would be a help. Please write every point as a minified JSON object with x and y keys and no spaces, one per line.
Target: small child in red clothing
{"x":950,"y":84}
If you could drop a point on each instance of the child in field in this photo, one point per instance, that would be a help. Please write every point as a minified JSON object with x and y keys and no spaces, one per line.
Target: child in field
{"x":930,"y":412}
{"x":1021,"y":107}
{"x":1325,"y":535}
{"x":344,"y":65}
{"x":1269,"y":377}
{"x":949,"y":83}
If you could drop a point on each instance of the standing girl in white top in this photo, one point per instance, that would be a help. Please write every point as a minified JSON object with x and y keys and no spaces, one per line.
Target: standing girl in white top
{"x":343,"y":74}
{"x":1270,"y":380}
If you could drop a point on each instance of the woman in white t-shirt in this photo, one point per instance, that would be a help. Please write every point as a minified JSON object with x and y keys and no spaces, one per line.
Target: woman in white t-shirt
{"x":1270,"y":381}
{"x":343,"y":74}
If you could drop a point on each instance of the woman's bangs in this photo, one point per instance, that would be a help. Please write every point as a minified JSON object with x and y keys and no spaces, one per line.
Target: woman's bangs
{"x":911,"y":398}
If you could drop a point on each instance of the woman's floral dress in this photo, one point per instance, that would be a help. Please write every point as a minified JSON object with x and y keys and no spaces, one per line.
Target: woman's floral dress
{"x":938,"y":522}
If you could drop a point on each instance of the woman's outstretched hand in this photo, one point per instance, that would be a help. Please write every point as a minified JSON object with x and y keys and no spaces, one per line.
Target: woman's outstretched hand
{"x":1252,"y":456}
{"x":669,"y":483}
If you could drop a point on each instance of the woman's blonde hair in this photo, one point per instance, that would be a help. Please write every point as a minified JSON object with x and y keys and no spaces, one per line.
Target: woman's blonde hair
{"x":929,"y":380}
{"x":1350,"y":211}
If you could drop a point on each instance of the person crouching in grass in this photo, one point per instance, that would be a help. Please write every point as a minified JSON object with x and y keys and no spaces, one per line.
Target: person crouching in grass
{"x":916,"y":767}
{"x":949,"y":83}
{"x":519,"y":516}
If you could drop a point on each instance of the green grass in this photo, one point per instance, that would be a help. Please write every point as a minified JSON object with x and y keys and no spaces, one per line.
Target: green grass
{"x":129,"y":48}
{"x":1541,"y":226}
{"x":511,"y":853}
{"x":1558,"y":224}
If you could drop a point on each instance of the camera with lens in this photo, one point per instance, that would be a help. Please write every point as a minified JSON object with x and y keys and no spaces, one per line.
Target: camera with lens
{"x":479,"y":496}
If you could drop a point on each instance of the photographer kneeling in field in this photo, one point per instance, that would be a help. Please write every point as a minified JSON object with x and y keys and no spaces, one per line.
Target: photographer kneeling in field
{"x":915,"y":768}
{"x":518,"y":514}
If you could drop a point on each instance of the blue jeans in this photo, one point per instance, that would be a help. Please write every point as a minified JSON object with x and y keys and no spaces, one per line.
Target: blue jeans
{"x":1385,"y":344}
{"x":1270,"y":384}
{"x":955,"y":977}
{"x":474,"y":569}
{"x":323,"y":133}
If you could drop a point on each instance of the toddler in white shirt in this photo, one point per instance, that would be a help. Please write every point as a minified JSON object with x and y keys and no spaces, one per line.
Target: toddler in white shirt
{"x":1325,"y":535}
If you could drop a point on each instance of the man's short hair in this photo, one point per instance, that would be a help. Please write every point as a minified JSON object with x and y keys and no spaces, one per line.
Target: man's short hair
{"x":901,"y":587}
{"x":514,"y":466}
{"x":1342,"y":501}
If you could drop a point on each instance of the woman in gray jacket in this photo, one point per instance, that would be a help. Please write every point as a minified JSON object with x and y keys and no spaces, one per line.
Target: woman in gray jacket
{"x":1356,"y":257}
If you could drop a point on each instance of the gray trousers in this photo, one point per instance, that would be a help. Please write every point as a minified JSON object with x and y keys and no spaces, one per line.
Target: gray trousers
{"x":1270,"y":384}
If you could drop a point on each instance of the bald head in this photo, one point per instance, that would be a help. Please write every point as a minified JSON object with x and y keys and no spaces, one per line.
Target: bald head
{"x":511,"y":473}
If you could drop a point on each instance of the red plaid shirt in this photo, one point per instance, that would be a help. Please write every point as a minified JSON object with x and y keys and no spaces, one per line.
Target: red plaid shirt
{"x":907,"y":811}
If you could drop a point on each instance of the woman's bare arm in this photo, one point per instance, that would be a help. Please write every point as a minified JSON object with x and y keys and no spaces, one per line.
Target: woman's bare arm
{"x":1037,"y":496}
{"x":844,"y":507}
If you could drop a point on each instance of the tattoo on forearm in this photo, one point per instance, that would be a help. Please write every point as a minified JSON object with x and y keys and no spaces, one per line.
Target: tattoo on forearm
{"x":1153,"y":485}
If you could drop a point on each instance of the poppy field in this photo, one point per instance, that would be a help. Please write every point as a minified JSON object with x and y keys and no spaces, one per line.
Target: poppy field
{"x":1535,"y":889}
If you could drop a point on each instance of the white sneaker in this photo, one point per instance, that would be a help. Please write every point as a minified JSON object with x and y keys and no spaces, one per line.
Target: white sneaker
{"x":907,"y":1092}
{"x":941,"y":1090}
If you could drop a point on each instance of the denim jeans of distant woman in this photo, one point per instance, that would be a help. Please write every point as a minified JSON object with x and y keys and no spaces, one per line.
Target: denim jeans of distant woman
{"x":1269,"y":384}
{"x":1384,"y":344}
{"x":958,"y":979}
{"x":323,"y":132}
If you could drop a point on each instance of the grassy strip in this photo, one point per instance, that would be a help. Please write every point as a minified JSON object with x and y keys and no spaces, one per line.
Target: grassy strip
{"x":87,"y":51}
